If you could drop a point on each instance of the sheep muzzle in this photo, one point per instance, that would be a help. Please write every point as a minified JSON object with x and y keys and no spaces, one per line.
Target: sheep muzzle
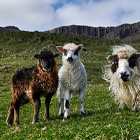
{"x":70,"y":59}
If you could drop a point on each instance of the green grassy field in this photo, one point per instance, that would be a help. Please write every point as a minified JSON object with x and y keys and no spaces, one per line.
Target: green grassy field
{"x":104,"y":120}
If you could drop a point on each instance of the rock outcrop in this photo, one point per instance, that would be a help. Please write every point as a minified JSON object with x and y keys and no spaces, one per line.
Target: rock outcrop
{"x":9,"y":29}
{"x":118,"y":32}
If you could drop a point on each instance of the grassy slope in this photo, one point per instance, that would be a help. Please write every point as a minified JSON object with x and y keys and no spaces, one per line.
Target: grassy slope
{"x":103,"y":121}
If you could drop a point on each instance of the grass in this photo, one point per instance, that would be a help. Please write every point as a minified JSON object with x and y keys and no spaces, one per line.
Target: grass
{"x":104,"y":120}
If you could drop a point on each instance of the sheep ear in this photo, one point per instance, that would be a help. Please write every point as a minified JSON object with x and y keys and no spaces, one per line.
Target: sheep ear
{"x":56,"y":55}
{"x":84,"y":49}
{"x":80,"y":47}
{"x":60,"y":48}
{"x":37,"y":56}
{"x":138,"y":55}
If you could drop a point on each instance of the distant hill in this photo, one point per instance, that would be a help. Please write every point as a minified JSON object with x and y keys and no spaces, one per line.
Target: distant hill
{"x":118,"y":32}
{"x":9,"y":29}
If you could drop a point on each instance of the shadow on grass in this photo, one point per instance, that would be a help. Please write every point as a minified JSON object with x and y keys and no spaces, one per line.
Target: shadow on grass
{"x":91,"y":112}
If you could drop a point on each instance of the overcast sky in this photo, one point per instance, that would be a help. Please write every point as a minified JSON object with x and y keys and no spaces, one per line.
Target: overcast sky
{"x":42,"y":15}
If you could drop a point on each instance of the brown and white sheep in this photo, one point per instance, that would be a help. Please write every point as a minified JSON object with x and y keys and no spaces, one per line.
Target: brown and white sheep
{"x":30,"y":84}
{"x":123,"y":74}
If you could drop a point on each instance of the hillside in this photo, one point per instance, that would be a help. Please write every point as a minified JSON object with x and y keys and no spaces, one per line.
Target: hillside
{"x":104,"y":120}
{"x":30,"y":43}
{"x":118,"y":32}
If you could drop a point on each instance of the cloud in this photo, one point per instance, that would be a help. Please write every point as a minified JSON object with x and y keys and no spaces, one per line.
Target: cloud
{"x":100,"y":13}
{"x":43,"y":15}
{"x":26,"y":14}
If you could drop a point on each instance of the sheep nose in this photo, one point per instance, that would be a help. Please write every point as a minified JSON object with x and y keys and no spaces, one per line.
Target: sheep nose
{"x":124,"y":76}
{"x":70,"y":59}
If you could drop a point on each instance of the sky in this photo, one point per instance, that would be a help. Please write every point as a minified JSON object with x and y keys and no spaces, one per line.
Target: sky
{"x":43,"y":15}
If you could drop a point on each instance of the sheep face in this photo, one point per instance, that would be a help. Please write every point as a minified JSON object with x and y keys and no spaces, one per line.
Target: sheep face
{"x":123,"y":65}
{"x":46,"y":64}
{"x":70,"y":56}
{"x":70,"y":52}
{"x":46,"y":60}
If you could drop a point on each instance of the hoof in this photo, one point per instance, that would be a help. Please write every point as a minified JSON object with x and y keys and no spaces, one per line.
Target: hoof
{"x":60,"y":115}
{"x":16,"y":123}
{"x":9,"y":122}
{"x":66,"y":118}
{"x":34,"y":121}
{"x":46,"y":118}
{"x":83,"y":113}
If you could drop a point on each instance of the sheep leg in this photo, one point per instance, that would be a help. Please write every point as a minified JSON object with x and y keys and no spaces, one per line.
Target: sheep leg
{"x":10,"y":117}
{"x":16,"y":113}
{"x":81,"y":99}
{"x":61,"y":101}
{"x":61,"y":104}
{"x":66,"y":105}
{"x":47,"y":104}
{"x":37,"y":105}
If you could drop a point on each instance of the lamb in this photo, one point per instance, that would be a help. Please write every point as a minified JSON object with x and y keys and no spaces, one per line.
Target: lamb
{"x":123,"y":74}
{"x":72,"y":78}
{"x":30,"y":84}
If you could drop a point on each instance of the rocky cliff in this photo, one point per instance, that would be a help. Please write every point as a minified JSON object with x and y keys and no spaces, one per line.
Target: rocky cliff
{"x":9,"y":29}
{"x":118,"y":32}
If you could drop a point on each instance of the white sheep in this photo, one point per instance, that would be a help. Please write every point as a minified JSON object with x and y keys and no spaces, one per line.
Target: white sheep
{"x":124,"y":76}
{"x":72,"y":78}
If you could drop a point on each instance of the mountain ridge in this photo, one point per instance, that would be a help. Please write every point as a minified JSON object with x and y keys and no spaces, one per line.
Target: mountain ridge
{"x":112,"y":32}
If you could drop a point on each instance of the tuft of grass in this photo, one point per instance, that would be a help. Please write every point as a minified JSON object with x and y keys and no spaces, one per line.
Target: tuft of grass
{"x":104,"y":120}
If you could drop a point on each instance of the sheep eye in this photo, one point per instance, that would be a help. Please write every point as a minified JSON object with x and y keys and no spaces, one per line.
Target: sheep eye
{"x":132,"y":61}
{"x":114,"y":65}
{"x":41,"y":60}
{"x":116,"y":61}
{"x":51,"y":60}
{"x":65,"y":52}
